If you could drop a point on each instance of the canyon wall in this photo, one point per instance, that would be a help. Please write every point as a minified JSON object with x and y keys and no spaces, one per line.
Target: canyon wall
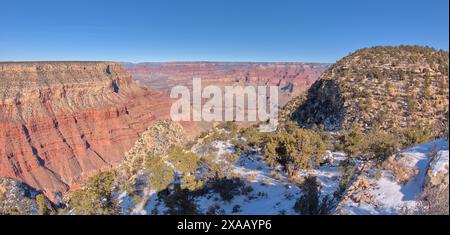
{"x":291,"y":78}
{"x":63,"y":121}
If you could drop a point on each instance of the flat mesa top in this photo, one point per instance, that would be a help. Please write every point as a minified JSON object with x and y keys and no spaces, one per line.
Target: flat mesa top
{"x":59,"y":71}
{"x":53,"y":62}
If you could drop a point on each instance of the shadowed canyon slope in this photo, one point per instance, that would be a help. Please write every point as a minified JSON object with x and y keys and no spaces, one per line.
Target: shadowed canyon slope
{"x":63,"y":121}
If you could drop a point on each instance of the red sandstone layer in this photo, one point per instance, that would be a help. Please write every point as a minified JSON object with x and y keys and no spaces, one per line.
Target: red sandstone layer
{"x":293,"y":78}
{"x":63,"y":121}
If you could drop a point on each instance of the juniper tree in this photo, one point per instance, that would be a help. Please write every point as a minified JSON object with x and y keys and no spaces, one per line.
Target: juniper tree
{"x":354,"y":142}
{"x":160,"y":174}
{"x":311,"y":202}
{"x":96,"y":196}
{"x":184,"y":161}
{"x":42,"y":205}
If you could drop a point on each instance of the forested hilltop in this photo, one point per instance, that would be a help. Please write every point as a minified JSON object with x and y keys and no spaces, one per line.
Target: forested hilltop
{"x":387,"y":88}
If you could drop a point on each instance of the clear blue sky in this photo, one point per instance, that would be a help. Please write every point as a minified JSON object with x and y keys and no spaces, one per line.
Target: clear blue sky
{"x":216,"y":30}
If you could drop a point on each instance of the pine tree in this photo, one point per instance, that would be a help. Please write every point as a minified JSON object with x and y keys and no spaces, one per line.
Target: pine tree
{"x":186,"y":162}
{"x":354,"y":142}
{"x":190,"y":183}
{"x":310,"y":203}
{"x":161,"y":175}
{"x":42,"y":205}
{"x":181,"y":202}
{"x":95,"y":198}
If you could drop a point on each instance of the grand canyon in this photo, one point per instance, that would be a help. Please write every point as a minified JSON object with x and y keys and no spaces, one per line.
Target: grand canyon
{"x":62,"y":122}
{"x":224,"y":108}
{"x":79,"y":132}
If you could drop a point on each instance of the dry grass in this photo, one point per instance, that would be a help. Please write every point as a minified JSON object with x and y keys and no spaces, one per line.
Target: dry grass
{"x":276,"y":175}
{"x":267,"y":181}
{"x":251,"y":178}
{"x":401,"y":168}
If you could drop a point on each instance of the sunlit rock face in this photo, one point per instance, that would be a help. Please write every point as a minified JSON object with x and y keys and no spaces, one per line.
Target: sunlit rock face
{"x":63,"y":121}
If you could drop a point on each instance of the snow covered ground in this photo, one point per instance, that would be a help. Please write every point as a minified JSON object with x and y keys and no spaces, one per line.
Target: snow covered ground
{"x":392,"y":197}
{"x":271,"y":193}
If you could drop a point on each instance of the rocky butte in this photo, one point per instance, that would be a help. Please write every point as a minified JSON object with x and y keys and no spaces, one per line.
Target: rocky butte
{"x":389,"y":88}
{"x":61,"y":122}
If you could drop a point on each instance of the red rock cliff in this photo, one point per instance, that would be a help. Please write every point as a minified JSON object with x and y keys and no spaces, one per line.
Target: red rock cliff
{"x":295,"y":76}
{"x":63,"y":121}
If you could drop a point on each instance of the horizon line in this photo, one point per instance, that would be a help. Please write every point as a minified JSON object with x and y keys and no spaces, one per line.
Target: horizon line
{"x":165,"y":62}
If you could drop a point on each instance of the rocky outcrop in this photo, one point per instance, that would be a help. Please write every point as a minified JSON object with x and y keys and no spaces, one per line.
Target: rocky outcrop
{"x":437,"y":177}
{"x":155,"y":141}
{"x":390,"y":88}
{"x":415,"y":181}
{"x":359,"y":191}
{"x":63,"y":121}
